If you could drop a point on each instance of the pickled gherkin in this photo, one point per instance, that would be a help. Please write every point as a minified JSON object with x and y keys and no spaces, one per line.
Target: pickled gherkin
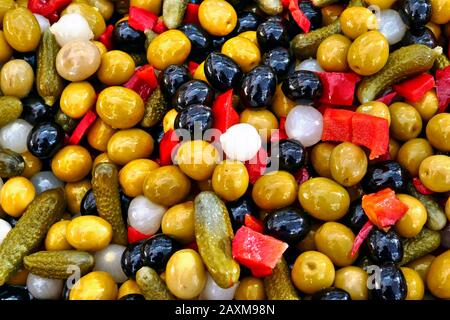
{"x":155,"y":109}
{"x":173,"y":12}
{"x":278,"y":285}
{"x":424,"y":243}
{"x":11,"y":163}
{"x":151,"y":285}
{"x":10,"y":109}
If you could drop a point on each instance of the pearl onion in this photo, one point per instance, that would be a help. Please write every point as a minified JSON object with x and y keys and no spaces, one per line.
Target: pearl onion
{"x":69,"y":27}
{"x":44,"y":24}
{"x":14,"y":135}
{"x":213,"y":292}
{"x":45,"y":180}
{"x":241,"y":142}
{"x":109,"y":260}
{"x":5,"y":227}
{"x":391,"y":25}
{"x":145,"y":216}
{"x":309,"y":65}
{"x":304,"y":124}
{"x":44,"y":288}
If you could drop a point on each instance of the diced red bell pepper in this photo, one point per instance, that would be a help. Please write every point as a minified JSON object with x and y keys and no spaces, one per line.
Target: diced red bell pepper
{"x":160,"y":27}
{"x":147,"y":73}
{"x":285,"y":3}
{"x":298,"y":16}
{"x":337,"y":125}
{"x":371,"y":132}
{"x":261,"y":272}
{"x":135,"y":236}
{"x":141,"y":19}
{"x":143,"y":81}
{"x":256,"y":251}
{"x":253,"y":223}
{"x":47,"y":8}
{"x":420,"y":187}
{"x":223,"y":111}
{"x":167,"y":147}
{"x":257,"y":165}
{"x":383,"y":208}
{"x":387,"y":99}
{"x":414,"y":89}
{"x":82,"y":127}
{"x":302,"y":176}
{"x":191,"y":13}
{"x":362,"y":235}
{"x":338,"y":87}
{"x":106,"y":37}
{"x":192,"y":66}
{"x":443,"y":88}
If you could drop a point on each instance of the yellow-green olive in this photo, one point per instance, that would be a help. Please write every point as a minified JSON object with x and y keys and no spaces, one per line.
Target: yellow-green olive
{"x":412,"y":153}
{"x":230,"y":180}
{"x":250,"y":288}
{"x":178,"y":222}
{"x":91,"y":14}
{"x":97,"y":285}
{"x":21,"y":29}
{"x":332,"y":53}
{"x":128,"y":145}
{"x":434,"y":173}
{"x":415,"y":287}
{"x":348,"y":164}
{"x":89,"y":233}
{"x":394,"y":146}
{"x":116,"y":68}
{"x":438,"y":277}
{"x":356,"y":21}
{"x":353,"y":280}
{"x":275,"y":190}
{"x":262,"y":119}
{"x":427,"y":106}
{"x":197,"y":159}
{"x":376,"y":109}
{"x":75,"y":192}
{"x":56,"y":237}
{"x":414,"y":219}
{"x":5,"y":49}
{"x":422,"y":265}
{"x":438,"y":131}
{"x":406,"y":122}
{"x":281,"y":105}
{"x":16,"y":78}
{"x":320,"y":158}
{"x":169,"y":47}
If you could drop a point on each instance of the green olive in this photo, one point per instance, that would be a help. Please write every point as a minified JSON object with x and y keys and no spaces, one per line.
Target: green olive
{"x":438,"y":131}
{"x":275,"y":190}
{"x":406,"y":122}
{"x":6,"y":5}
{"x":412,"y":153}
{"x":320,"y":158}
{"x":348,"y":164}
{"x":5,"y":49}
{"x":16,"y":78}
{"x":230,"y":180}
{"x":91,"y":14}
{"x":21,"y":29}
{"x":434,"y":173}
{"x":394,"y":146}
{"x":427,"y":106}
{"x":353,"y":280}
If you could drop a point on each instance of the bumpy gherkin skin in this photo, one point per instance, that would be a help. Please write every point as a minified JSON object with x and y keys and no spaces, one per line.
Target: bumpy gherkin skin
{"x":10,"y":109}
{"x":155,"y":108}
{"x":46,"y":209}
{"x":151,"y":285}
{"x":11,"y":163}
{"x":105,"y":184}
{"x":214,"y":234}
{"x":441,"y":62}
{"x":173,"y":12}
{"x":278,"y":285}
{"x":424,"y":243}
{"x":58,"y":264}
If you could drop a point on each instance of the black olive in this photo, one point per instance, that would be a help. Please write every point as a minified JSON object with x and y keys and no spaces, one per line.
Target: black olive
{"x":172,"y":78}
{"x":45,"y":140}
{"x":275,"y":18}
{"x":195,"y":1}
{"x":279,"y":60}
{"x":217,"y":42}
{"x":290,"y":256}
{"x":193,"y":92}
{"x":124,"y":204}
{"x":312,"y":13}
{"x":239,"y":208}
{"x":157,"y":251}
{"x":127,"y":39}
{"x":35,"y":110}
{"x":157,"y":133}
{"x":196,"y":120}
{"x":355,"y":218}
{"x":200,"y":42}
{"x":331,"y":294}
{"x":132,"y":259}
{"x":289,"y":155}
{"x":65,"y":294}
{"x":386,"y":174}
{"x":289,"y":224}
{"x":88,"y":206}
{"x":222,"y":72}
{"x":302,"y":86}
{"x":16,"y":293}
{"x":384,"y":246}
{"x":420,"y":35}
{"x":415,"y":13}
{"x":11,"y":220}
{"x":133,"y":296}
{"x":272,"y":34}
{"x":246,"y":21}
{"x":388,"y":283}
{"x":30,"y":57}
{"x":258,"y":87}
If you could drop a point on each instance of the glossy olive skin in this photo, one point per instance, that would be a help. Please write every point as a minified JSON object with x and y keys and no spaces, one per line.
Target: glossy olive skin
{"x":172,"y":78}
{"x":200,"y":42}
{"x":386,"y":174}
{"x":133,"y":296}
{"x":302,"y":86}
{"x":217,"y":42}
{"x":195,"y":119}
{"x":415,"y":13}
{"x":421,"y":35}
{"x":35,"y":110}
{"x":88,"y":204}
{"x":30,"y":57}
{"x":331,"y":294}
{"x":157,"y":250}
{"x":193,"y":92}
{"x":124,"y":204}
{"x":279,"y":60}
{"x":291,"y":155}
{"x":45,"y":140}
{"x":258,"y":87}
{"x":355,"y":217}
{"x":222,"y":72}
{"x":247,"y":21}
{"x":127,"y":39}
{"x":314,"y":15}
{"x":239,"y":208}
{"x":11,"y":220}
{"x":290,"y":225}
{"x":392,"y":286}
{"x":271,"y":34}
{"x":14,"y":293}
{"x":132,"y":258}
{"x":384,"y":247}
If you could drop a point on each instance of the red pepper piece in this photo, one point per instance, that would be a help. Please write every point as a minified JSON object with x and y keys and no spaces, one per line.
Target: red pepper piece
{"x":106,"y":37}
{"x":443,"y":88}
{"x":192,"y":66}
{"x":298,"y":16}
{"x":414,"y":89}
{"x":143,"y":81}
{"x":167,"y":147}
{"x":337,"y":125}
{"x":141,"y":19}
{"x":82,"y":127}
{"x":371,"y":132}
{"x":160,"y":27}
{"x":285,"y":3}
{"x":302,"y":176}
{"x":420,"y":187}
{"x":261,"y":272}
{"x":257,"y":165}
{"x":387,"y":99}
{"x":383,"y":208}
{"x":147,"y":73}
{"x":135,"y":236}
{"x":256,"y":251}
{"x":191,"y":13}
{"x":253,"y":223}
{"x":48,"y":8}
{"x":223,"y":111}
{"x":362,"y":235}
{"x":338,"y":87}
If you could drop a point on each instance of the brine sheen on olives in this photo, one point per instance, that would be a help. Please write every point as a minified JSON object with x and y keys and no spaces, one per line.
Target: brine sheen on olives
{"x":222,"y":72}
{"x":35,"y":110}
{"x":420,"y":35}
{"x":14,"y":293}
{"x":271,"y":34}
{"x":127,"y":39}
{"x":258,"y":87}
{"x":196,"y":120}
{"x":157,"y":251}
{"x":172,"y":78}
{"x":355,"y":218}
{"x":132,"y":258}
{"x":386,"y":174}
{"x":200,"y":42}
{"x":302,"y":86}
{"x":331,"y":294}
{"x":88,"y":204}
{"x":45,"y":140}
{"x":239,"y":208}
{"x":247,"y":21}
{"x":312,"y":13}
{"x":290,"y":155}
{"x":288,"y":224}
{"x":392,"y":285}
{"x":193,"y":92}
{"x":416,"y":13}
{"x":279,"y":60}
{"x":384,"y":247}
